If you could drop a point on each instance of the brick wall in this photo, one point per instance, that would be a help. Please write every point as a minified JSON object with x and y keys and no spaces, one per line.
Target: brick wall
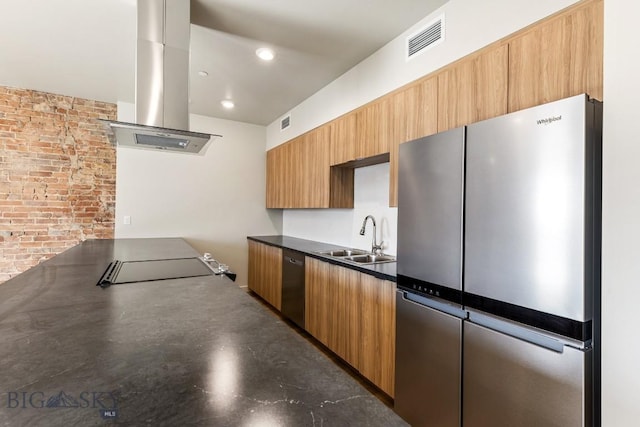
{"x":57,"y":176}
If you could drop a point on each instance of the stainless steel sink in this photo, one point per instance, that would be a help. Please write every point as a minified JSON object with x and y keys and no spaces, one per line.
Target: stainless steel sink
{"x":370,"y":259}
{"x":358,"y":256}
{"x":344,"y":252}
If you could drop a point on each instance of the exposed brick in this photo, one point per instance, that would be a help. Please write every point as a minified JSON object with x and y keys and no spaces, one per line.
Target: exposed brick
{"x":57,"y":176}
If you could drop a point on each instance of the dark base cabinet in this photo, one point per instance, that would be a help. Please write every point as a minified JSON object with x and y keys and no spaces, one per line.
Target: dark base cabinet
{"x":293,"y":286}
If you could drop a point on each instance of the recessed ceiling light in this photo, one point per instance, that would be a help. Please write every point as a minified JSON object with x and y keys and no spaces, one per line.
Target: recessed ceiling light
{"x":203,"y":73}
{"x":265,"y":54}
{"x":227,"y":103}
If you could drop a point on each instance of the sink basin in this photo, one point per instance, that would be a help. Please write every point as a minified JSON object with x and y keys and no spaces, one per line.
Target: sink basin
{"x":344,"y":252}
{"x":370,"y":259}
{"x":358,"y":256}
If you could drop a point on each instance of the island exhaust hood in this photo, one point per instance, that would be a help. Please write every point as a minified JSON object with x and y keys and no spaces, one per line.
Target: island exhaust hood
{"x":162,"y":82}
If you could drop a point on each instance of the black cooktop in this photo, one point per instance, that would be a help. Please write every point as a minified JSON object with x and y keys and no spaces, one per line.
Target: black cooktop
{"x":119,"y":272}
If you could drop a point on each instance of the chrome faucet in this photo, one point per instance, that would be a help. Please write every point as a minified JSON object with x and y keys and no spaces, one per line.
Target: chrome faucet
{"x":375,"y":248}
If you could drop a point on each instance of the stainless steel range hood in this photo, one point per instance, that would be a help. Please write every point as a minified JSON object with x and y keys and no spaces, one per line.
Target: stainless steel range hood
{"x":162,"y":82}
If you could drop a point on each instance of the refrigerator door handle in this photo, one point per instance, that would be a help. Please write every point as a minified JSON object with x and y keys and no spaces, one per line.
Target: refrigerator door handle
{"x":435,"y":303}
{"x":517,"y":331}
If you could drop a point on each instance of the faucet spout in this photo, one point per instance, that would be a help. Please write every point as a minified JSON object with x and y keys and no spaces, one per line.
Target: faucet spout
{"x":375,"y":247}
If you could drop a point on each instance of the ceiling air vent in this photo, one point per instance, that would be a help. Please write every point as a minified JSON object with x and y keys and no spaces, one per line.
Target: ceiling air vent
{"x":284,"y":123}
{"x":428,"y":37}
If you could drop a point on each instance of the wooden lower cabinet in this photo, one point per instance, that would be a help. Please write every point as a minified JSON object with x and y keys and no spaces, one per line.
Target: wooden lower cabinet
{"x":353,"y":314}
{"x":345,"y":327}
{"x":330,"y":313}
{"x":318,"y":313}
{"x":265,"y":272}
{"x":378,"y":331}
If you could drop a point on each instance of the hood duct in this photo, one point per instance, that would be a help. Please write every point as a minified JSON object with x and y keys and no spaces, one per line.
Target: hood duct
{"x":162,"y":82}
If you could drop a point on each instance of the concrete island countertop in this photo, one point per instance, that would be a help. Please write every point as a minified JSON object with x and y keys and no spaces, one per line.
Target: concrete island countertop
{"x":385,"y":271}
{"x":192,"y":351}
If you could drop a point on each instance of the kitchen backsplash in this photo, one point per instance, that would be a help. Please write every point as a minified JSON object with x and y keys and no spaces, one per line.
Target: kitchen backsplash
{"x":342,"y":226}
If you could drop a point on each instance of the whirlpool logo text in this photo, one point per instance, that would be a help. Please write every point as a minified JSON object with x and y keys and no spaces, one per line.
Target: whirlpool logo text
{"x":549,"y":120}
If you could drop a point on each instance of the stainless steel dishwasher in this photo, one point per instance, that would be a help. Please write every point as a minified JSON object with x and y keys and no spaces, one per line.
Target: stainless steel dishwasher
{"x":293,"y":286}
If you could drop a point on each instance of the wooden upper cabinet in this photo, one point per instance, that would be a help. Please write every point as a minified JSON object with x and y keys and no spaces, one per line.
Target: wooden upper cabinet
{"x":280,"y":161}
{"x":343,"y":139}
{"x":283,"y":166}
{"x":298,"y":172}
{"x":473,"y":89}
{"x":414,"y":114}
{"x":373,"y":128}
{"x":314,"y":169}
{"x":557,"y":59}
{"x":273,"y":191}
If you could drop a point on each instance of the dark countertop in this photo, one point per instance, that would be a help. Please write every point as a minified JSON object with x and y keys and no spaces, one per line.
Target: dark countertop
{"x":385,"y":271}
{"x":193,"y":351}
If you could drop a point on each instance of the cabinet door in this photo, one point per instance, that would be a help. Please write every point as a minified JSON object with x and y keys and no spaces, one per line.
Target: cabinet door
{"x":255,"y":267}
{"x":345,"y":326}
{"x":558,"y":59}
{"x":283,"y":168}
{"x":318,"y":311}
{"x":274,"y":170}
{"x":332,"y":308}
{"x":292,"y":172}
{"x":414,"y":114}
{"x":378,"y":332}
{"x":372,"y":124}
{"x":299,"y":174}
{"x":265,"y":272}
{"x":313,"y":171}
{"x":473,"y":89}
{"x":343,"y":139}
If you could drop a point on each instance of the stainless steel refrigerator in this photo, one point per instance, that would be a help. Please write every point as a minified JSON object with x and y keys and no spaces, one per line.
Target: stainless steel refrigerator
{"x":499,"y":271}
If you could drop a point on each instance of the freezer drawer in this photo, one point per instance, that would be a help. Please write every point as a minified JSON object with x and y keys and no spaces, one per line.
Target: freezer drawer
{"x":428,"y":361}
{"x":511,"y":382}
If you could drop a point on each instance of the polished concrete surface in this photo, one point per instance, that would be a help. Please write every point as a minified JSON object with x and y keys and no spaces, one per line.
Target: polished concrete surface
{"x":194,"y":351}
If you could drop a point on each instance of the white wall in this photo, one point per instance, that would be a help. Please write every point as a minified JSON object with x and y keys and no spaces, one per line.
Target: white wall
{"x":621,"y":215}
{"x":470,"y":25}
{"x":213,"y":201}
{"x":342,"y":226}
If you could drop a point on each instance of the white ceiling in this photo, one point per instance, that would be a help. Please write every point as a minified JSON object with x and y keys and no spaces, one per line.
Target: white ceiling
{"x":86,"y":48}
